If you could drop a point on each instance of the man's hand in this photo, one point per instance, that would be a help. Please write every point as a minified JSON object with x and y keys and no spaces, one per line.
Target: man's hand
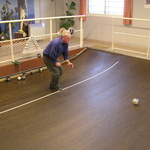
{"x":58,"y":64}
{"x":70,"y":65}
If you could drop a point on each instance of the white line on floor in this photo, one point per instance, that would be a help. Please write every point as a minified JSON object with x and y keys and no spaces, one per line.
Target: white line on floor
{"x":37,"y":99}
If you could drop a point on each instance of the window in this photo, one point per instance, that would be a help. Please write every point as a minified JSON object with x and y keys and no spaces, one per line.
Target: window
{"x":109,"y":7}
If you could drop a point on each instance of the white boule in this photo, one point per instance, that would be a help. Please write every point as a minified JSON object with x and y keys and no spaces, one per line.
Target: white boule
{"x":135,"y":101}
{"x":19,"y":78}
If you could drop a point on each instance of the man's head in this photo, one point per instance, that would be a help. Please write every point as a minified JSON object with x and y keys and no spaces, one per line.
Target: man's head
{"x":66,"y":36}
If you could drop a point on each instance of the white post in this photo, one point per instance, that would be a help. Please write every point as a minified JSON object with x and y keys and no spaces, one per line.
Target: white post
{"x":148,"y":48}
{"x":81,"y":32}
{"x":51,"y":30}
{"x":11,"y":43}
{"x":113,"y":28}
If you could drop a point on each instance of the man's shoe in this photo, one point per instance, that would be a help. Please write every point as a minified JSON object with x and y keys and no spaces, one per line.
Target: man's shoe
{"x":56,"y":89}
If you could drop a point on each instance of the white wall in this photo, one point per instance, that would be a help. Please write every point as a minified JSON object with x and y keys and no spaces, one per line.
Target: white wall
{"x":49,"y":8}
{"x":139,"y":11}
{"x":95,"y":27}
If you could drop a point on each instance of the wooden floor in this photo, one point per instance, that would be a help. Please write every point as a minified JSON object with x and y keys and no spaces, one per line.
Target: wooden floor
{"x":93,"y":112}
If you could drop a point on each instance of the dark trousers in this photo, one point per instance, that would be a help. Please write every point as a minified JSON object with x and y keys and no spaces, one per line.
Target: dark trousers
{"x":55,"y":71}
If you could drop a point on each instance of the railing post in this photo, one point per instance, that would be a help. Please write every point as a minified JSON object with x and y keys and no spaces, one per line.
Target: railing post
{"x":51,"y":37}
{"x":148,"y":48}
{"x":81,"y":32}
{"x":113,"y":28}
{"x":11,"y":43}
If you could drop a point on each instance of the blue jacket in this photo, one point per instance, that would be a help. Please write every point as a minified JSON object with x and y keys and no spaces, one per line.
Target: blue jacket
{"x":56,"y":48}
{"x":0,"y":30}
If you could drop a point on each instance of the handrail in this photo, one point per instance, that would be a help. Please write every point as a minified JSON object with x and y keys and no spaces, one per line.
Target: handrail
{"x":45,"y":18}
{"x":138,"y":19}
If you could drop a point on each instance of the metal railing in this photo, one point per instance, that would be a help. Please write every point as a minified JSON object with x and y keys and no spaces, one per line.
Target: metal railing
{"x":133,"y":40}
{"x":14,"y":49}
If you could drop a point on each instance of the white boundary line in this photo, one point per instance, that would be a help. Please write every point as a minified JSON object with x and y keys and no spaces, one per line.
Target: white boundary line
{"x":37,"y":99}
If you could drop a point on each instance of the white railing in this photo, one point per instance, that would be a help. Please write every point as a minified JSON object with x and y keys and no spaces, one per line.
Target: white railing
{"x":133,"y":40}
{"x":14,"y":49}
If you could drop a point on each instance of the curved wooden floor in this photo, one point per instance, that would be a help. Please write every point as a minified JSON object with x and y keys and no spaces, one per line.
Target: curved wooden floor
{"x":94,"y":115}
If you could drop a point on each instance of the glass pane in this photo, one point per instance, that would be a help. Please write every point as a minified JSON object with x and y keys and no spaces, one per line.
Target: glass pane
{"x":96,"y":6}
{"x":114,"y":7}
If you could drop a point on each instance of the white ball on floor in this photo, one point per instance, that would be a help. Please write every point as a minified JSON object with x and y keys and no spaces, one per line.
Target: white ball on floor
{"x":19,"y":78}
{"x":135,"y":101}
